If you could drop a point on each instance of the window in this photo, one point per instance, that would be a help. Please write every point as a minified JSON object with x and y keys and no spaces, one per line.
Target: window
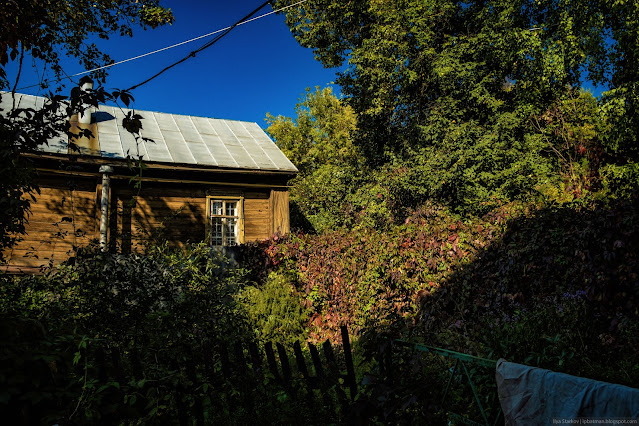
{"x":225,"y":221}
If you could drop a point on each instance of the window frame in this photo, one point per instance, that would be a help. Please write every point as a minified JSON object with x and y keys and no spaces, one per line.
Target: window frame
{"x":240,"y":217}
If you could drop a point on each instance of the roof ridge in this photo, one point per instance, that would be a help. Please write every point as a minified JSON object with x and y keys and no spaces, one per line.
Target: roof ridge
{"x":141,"y":110}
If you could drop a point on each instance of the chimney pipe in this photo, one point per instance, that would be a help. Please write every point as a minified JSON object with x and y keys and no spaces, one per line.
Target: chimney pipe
{"x":86,"y":85}
{"x":83,"y":137}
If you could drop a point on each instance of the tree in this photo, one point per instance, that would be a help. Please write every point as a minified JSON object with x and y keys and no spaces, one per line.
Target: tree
{"x":318,"y":141}
{"x":49,"y":30}
{"x":45,"y":31}
{"x":453,"y":86}
{"x":319,"y":135}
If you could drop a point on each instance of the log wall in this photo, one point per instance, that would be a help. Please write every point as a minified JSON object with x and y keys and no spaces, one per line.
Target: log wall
{"x":66,"y":215}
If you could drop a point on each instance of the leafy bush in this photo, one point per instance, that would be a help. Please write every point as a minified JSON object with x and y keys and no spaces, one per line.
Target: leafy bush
{"x":518,"y":299}
{"x":34,"y":364}
{"x":325,"y":198}
{"x":620,"y":182}
{"x":123,"y":339}
{"x":163,"y":307}
{"x":116,"y":297}
{"x":275,"y":310}
{"x":495,"y":286}
{"x":368,"y":276}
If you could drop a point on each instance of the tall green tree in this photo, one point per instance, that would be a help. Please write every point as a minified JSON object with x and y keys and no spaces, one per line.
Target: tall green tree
{"x":47,"y":31}
{"x":452,"y":86}
{"x":319,"y":142}
{"x":320,"y":134}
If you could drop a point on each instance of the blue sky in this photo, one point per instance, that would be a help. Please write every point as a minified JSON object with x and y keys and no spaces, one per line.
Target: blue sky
{"x":257,"y":68}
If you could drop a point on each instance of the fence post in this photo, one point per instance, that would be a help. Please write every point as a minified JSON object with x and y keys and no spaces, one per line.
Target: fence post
{"x":348,"y":357}
{"x":284,"y":362}
{"x":286,"y":369}
{"x":334,"y":372}
{"x":270,"y":360}
{"x":301,"y":366}
{"x":319,"y":373}
{"x":241,"y":369}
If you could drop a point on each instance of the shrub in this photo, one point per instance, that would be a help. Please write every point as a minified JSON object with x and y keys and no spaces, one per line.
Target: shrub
{"x":158,"y":309}
{"x":453,"y":282}
{"x":275,"y":310}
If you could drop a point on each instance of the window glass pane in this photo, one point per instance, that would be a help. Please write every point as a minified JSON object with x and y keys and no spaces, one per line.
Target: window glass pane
{"x":231,"y":232}
{"x":217,"y":228}
{"x":217,"y":208}
{"x":225,"y":221}
{"x":231,"y":208}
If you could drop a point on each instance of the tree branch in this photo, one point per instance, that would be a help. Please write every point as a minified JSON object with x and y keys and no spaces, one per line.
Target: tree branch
{"x":15,"y":85}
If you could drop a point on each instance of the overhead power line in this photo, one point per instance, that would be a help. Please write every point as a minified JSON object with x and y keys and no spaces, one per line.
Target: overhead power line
{"x":225,"y":31}
{"x":205,"y":46}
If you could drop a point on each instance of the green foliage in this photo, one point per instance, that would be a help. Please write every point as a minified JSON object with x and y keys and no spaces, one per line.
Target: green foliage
{"x":34,"y":364}
{"x":160,"y":306}
{"x":46,"y":31}
{"x":275,"y":310}
{"x":464,"y":92}
{"x":620,"y":182}
{"x":408,"y":59}
{"x":573,"y":128}
{"x":320,"y":133}
{"x":318,"y":141}
{"x":121,"y":297}
{"x":326,"y":198}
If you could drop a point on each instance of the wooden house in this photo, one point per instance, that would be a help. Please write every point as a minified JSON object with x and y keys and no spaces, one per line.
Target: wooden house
{"x":221,"y":181}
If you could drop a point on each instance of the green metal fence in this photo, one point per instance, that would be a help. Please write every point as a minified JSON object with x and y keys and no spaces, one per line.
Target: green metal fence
{"x":465,"y":365}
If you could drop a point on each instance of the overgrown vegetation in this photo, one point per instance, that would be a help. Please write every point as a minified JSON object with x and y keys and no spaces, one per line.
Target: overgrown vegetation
{"x":539,"y":269}
{"x":465,"y":192}
{"x":551,"y":286}
{"x":164,"y":315}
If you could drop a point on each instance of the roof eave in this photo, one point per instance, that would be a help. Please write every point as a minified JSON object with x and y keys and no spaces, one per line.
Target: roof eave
{"x":122,"y":162}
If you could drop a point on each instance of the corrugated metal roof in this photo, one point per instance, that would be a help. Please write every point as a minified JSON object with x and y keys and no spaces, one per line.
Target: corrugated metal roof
{"x":178,"y":139}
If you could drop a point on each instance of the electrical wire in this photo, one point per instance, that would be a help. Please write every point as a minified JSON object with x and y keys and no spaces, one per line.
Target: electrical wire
{"x":226,"y":30}
{"x":205,"y":46}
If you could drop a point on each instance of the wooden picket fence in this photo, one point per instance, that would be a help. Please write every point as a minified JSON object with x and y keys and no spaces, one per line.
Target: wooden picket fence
{"x":243,"y":365}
